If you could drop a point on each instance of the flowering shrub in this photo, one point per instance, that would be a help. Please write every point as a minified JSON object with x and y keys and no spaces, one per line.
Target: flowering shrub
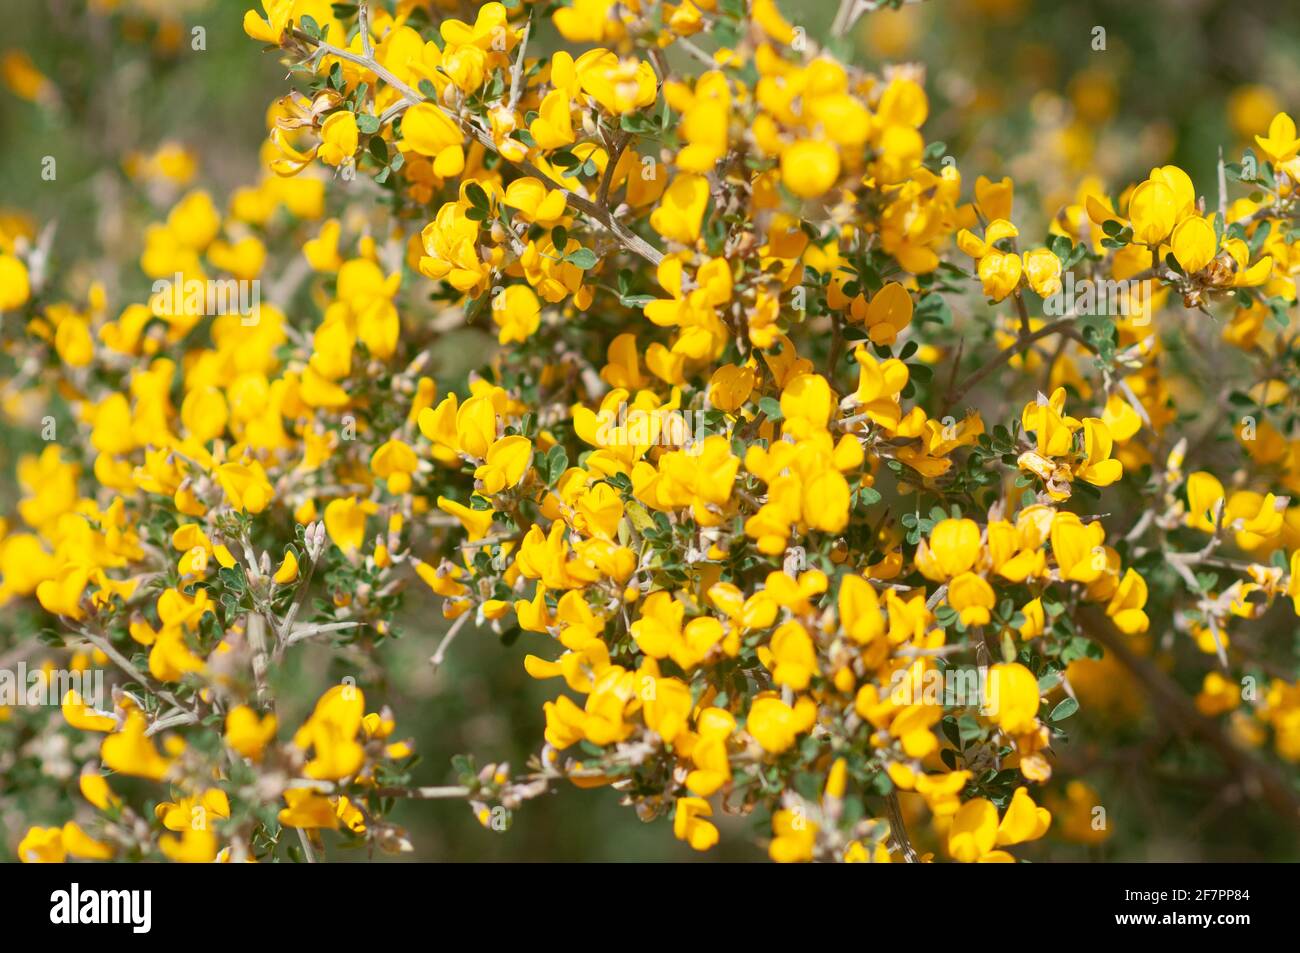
{"x":817,"y":481}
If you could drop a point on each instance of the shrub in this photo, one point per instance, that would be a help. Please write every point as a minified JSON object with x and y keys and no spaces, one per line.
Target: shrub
{"x":818,"y":482}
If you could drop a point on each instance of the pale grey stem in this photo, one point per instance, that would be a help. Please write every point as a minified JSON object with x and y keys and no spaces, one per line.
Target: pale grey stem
{"x":899,"y":829}
{"x":170,"y":720}
{"x":125,"y":665}
{"x":255,"y":628}
{"x":363,"y":24}
{"x":517,"y":73}
{"x":423,"y":794}
{"x":307,"y":849}
{"x":630,"y":240}
{"x":307,"y":631}
{"x":437,"y":657}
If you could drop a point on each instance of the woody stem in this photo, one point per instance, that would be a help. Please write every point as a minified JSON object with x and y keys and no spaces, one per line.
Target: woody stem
{"x":602,"y":216}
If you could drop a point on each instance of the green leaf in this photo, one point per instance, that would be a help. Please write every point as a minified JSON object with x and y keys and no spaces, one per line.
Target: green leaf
{"x":869,"y":495}
{"x":1066,"y":708}
{"x":1062,"y":247}
{"x":477,"y":197}
{"x":583,"y":258}
{"x":557,"y":461}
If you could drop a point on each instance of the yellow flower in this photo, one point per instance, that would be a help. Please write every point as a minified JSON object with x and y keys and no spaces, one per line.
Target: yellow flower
{"x":1194,"y":243}
{"x":339,"y":138}
{"x":972,"y":597}
{"x":1011,"y":696}
{"x":1000,"y":273}
{"x":859,"y":608}
{"x":42,"y":845}
{"x":80,"y":715}
{"x":953,"y":548}
{"x":96,"y":790}
{"x":394,"y":462}
{"x":269,"y":29}
{"x":330,"y":734}
{"x":1281,"y":144}
{"x":80,"y":844}
{"x":974,"y":830}
{"x":689,"y":826}
{"x":246,"y":486}
{"x":1043,"y":271}
{"x":889,"y":311}
{"x":810,"y":167}
{"x":507,"y":462}
{"x":429,"y":131}
{"x":194,"y":846}
{"x":1218,"y":695}
{"x":553,"y":127}
{"x":1126,"y":605}
{"x":322,"y":252}
{"x":681,"y":210}
{"x":1153,"y":212}
{"x":490,"y":30}
{"x":517,"y":313}
{"x":212,"y":804}
{"x":345,"y":522}
{"x":534,"y":201}
{"x":248,"y":734}
{"x":306,"y":809}
{"x":62,"y":594}
{"x":131,"y":752}
{"x":793,"y":658}
{"x":794,"y":838}
{"x":1255,"y":518}
{"x":476,"y":522}
{"x":775,"y":725}
{"x":288,"y":569}
{"x":619,"y":86}
{"x":1097,"y":467}
{"x":170,"y":659}
{"x":1023,"y":821}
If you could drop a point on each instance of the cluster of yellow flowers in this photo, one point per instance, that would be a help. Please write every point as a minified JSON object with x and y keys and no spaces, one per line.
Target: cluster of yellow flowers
{"x":761,"y":584}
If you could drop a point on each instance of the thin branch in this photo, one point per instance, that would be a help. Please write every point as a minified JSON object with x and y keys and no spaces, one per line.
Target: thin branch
{"x":517,"y":73}
{"x":1260,"y":779}
{"x":255,"y":629}
{"x":436,"y":659}
{"x":423,"y":794}
{"x":603,"y":216}
{"x":899,"y":829}
{"x":363,"y":23}
{"x":308,"y":631}
{"x":307,"y":851}
{"x":1064,"y":326}
{"x":615,"y":154}
{"x":125,"y":665}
